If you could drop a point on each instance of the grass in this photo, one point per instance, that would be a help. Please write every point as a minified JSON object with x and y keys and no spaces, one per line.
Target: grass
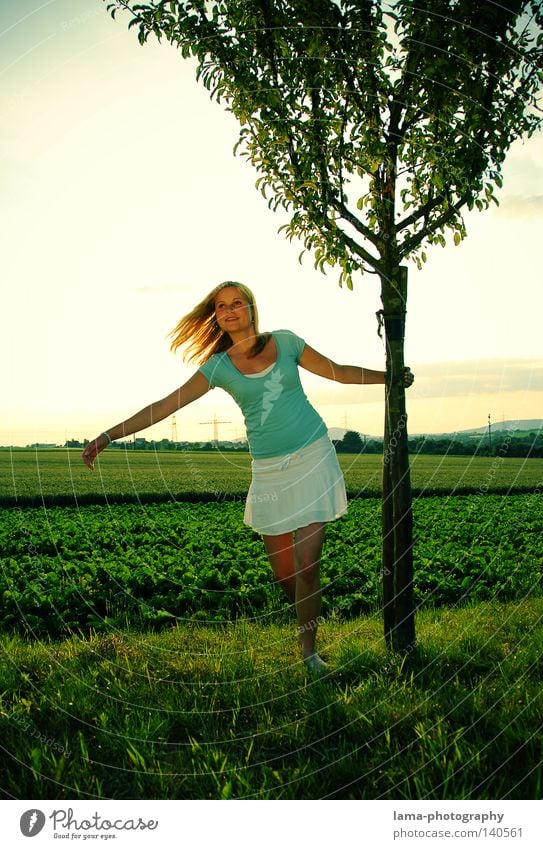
{"x":223,"y":712}
{"x":57,"y":476}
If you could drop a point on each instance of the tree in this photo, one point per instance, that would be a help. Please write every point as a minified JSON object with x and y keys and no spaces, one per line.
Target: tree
{"x":374,"y":125}
{"x":73,"y":443}
{"x":351,"y":443}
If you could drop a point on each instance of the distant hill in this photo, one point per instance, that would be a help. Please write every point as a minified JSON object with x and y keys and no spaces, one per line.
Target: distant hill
{"x":522,"y":426}
{"x":513,"y":425}
{"x":517,"y":426}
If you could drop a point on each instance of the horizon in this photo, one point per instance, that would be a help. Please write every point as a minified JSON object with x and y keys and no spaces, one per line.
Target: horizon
{"x":496,"y":427}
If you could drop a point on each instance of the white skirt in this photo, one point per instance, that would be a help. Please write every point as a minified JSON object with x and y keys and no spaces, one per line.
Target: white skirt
{"x":294,"y":490}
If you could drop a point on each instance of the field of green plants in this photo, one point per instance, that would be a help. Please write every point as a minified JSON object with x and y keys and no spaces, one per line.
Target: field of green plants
{"x":145,"y":651}
{"x":105,"y":567}
{"x":58,"y":476}
{"x":132,"y":562}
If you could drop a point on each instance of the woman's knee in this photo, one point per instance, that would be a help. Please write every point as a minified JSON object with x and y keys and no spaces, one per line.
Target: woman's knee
{"x":309,"y":542}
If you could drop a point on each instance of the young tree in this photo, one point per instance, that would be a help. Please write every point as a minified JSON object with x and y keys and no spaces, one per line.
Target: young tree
{"x":375,"y":125}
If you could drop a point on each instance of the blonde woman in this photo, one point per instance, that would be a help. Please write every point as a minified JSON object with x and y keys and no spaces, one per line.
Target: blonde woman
{"x":297,"y":485}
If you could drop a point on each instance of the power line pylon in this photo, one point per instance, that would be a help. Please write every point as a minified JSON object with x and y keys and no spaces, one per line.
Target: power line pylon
{"x":215,"y":422}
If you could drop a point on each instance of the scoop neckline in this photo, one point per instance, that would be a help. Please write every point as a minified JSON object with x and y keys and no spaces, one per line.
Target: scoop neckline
{"x":257,"y":375}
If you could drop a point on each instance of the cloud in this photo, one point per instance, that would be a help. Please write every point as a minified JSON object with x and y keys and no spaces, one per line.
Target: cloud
{"x":522,"y":206}
{"x":481,"y":377}
{"x":445,"y":380}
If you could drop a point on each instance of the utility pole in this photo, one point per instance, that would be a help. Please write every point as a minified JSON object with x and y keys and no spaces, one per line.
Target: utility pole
{"x":215,"y":422}
{"x":489,"y":437}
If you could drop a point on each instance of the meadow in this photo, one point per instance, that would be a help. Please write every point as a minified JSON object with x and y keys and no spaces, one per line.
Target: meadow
{"x":146,"y":653}
{"x":229,"y":713}
{"x":58,"y":476}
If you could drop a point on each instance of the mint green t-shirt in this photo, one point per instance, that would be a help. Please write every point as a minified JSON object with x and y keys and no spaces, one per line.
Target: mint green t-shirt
{"x":278,"y":417}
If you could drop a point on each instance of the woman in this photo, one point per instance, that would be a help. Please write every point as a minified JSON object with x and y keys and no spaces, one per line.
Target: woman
{"x":297,"y":485}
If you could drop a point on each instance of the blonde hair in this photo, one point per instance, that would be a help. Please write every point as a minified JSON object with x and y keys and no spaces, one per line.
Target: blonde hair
{"x":199,"y":331}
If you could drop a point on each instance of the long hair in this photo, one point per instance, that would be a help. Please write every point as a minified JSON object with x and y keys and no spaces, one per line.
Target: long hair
{"x":201,"y":334}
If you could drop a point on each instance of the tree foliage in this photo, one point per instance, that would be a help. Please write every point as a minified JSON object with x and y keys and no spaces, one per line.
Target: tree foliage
{"x":373,"y":124}
{"x":351,"y":443}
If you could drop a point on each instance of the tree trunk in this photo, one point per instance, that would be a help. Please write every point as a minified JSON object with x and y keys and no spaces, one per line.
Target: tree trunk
{"x":397,"y":519}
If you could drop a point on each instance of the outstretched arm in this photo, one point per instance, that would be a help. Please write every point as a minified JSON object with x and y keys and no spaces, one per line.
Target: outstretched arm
{"x":194,"y":388}
{"x":324,"y":367}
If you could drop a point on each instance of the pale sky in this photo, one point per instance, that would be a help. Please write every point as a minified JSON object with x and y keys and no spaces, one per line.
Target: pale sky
{"x":122,"y":205}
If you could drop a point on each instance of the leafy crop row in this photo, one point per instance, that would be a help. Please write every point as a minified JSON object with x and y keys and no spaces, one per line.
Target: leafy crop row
{"x":67,"y":569}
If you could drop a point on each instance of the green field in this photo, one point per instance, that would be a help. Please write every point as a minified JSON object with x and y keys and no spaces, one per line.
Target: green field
{"x":103,"y":567}
{"x":145,"y":651}
{"x":58,"y":476}
{"x":129,"y":546}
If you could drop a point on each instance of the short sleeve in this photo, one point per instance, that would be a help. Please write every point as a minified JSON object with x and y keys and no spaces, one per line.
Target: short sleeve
{"x":294,"y":343}
{"x":210,"y":370}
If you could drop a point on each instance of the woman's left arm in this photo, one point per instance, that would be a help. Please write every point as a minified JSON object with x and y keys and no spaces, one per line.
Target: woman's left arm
{"x":324,"y":367}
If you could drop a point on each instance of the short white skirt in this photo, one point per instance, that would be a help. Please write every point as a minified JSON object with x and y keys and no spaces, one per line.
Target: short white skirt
{"x":294,"y":490}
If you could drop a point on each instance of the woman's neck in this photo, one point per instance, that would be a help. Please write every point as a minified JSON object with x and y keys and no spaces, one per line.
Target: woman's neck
{"x":242,"y":341}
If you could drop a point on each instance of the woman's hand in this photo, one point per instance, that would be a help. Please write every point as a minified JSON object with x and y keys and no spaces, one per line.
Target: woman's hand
{"x":408,"y":377}
{"x":93,"y":449}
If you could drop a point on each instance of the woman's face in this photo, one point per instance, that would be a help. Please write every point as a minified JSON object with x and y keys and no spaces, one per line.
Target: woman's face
{"x":232,"y":310}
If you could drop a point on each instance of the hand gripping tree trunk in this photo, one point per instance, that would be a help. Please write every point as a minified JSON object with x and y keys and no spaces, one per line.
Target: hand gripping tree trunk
{"x":397,"y":519}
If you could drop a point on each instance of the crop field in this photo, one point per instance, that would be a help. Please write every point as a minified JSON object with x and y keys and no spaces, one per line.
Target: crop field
{"x":149,"y":539}
{"x":58,"y":476}
{"x":100,"y":567}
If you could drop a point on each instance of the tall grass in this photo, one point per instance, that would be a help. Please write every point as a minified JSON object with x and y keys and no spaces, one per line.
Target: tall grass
{"x":228,"y":712}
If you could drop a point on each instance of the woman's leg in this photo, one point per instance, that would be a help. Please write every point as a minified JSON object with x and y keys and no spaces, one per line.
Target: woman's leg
{"x":295,"y":561}
{"x":308,"y":549}
{"x":280,"y":551}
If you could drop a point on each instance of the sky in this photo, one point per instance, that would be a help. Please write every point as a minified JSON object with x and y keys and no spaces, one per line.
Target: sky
{"x":122,"y":205}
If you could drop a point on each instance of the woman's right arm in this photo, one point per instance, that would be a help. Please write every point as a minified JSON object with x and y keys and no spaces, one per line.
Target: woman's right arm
{"x":194,"y":388}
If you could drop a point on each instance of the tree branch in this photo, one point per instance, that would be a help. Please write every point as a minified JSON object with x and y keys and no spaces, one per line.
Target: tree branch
{"x":359,"y":250}
{"x":351,"y":219}
{"x":409,"y":245}
{"x":422,"y":212}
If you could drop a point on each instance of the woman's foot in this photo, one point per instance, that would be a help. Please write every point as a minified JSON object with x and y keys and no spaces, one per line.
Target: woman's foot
{"x":315,"y":664}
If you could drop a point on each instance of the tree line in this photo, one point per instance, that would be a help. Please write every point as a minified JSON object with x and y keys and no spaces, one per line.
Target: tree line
{"x":503,"y":444}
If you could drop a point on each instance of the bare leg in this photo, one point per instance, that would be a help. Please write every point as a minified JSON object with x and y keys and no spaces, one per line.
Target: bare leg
{"x":308,"y":548}
{"x":280,"y":551}
{"x":295,"y":561}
